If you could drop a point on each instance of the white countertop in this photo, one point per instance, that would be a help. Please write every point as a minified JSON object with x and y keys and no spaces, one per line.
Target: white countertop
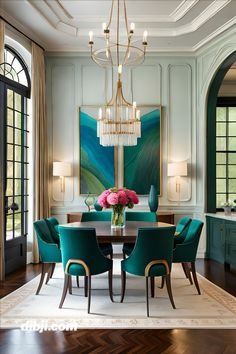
{"x":221,"y":215}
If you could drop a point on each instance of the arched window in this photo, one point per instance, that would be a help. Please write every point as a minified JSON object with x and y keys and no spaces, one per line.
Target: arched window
{"x":14,"y":131}
{"x":221,"y":143}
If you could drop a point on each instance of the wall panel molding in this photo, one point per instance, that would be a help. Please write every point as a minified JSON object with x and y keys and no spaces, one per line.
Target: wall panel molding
{"x":179,"y":123}
{"x":62,"y":120}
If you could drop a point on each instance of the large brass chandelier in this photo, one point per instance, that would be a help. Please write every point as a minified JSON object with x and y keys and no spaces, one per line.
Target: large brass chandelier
{"x":118,"y":121}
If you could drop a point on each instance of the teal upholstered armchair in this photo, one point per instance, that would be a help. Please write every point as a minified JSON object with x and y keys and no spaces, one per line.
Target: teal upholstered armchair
{"x":49,"y":251}
{"x":106,"y":248}
{"x":186,"y":252}
{"x":151,"y":257}
{"x":53,"y":226}
{"x":147,"y":216}
{"x":181,"y":230}
{"x":81,"y":256}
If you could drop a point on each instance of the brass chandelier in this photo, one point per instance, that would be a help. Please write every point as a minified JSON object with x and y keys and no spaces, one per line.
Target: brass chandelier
{"x":118,"y":121}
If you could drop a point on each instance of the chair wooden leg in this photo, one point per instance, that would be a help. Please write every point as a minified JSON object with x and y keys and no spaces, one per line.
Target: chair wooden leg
{"x":185,"y":272}
{"x":123,"y":285}
{"x":89,"y":292}
{"x":193,"y":269}
{"x":43,"y":273}
{"x":86,"y":286}
{"x":111,"y":255}
{"x":65,"y":288}
{"x":187,"y":269}
{"x":52,"y":269}
{"x":70,"y":284}
{"x":168,"y":285}
{"x":162,"y":282}
{"x":152,"y":281}
{"x":110,"y":279}
{"x":147,"y":300}
{"x":49,"y":272}
{"x":77,"y":281}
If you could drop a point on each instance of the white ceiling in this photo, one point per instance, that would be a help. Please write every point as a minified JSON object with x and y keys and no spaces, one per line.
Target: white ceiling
{"x":172,"y":25}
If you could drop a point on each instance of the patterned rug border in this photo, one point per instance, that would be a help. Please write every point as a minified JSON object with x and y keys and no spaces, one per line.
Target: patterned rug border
{"x":219,"y":294}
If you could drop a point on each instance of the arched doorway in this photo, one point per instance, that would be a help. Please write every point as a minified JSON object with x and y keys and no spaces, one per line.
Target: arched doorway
{"x":14,"y":128}
{"x":211,"y":131}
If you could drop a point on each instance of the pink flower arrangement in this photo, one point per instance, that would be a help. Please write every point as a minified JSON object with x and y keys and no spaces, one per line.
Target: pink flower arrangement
{"x":118,"y":197}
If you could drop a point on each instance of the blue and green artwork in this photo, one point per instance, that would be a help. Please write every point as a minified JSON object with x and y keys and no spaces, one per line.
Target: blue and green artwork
{"x":142,"y":162}
{"x":96,"y":162}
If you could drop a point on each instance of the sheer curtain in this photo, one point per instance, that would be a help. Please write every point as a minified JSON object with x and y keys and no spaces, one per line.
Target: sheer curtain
{"x":40,"y":145}
{"x":2,"y":261}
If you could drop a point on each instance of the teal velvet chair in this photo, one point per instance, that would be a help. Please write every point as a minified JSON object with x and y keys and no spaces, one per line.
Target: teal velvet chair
{"x":151,"y":257}
{"x":53,"y":226}
{"x":49,"y":251}
{"x":106,"y":248}
{"x":81,"y":256}
{"x":137,"y":216}
{"x":181,"y":230}
{"x":186,"y":252}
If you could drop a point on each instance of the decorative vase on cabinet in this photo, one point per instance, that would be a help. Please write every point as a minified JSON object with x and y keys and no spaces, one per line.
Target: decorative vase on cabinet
{"x":153,"y":199}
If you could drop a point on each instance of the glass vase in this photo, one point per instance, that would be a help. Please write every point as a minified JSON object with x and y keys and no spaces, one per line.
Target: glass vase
{"x":118,"y":217}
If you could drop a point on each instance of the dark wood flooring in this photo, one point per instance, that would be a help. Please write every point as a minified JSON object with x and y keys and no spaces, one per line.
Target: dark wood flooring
{"x":176,"y":341}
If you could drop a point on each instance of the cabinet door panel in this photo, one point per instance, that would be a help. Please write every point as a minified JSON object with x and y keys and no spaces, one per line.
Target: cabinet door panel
{"x":230,"y":255}
{"x":217,"y":240}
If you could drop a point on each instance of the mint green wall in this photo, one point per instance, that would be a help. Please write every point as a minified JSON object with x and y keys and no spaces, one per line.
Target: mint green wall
{"x":179,"y":83}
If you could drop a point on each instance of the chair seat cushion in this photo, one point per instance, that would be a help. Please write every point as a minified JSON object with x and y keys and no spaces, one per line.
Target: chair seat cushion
{"x":130,"y":267}
{"x":106,"y":248}
{"x":77,"y":269}
{"x":128,"y":248}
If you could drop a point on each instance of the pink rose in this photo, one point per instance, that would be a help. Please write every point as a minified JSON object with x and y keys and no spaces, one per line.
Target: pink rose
{"x":122,"y":198}
{"x":112,"y":199}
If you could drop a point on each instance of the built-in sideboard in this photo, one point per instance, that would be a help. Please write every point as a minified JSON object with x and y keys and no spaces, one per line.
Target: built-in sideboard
{"x":221,"y":238}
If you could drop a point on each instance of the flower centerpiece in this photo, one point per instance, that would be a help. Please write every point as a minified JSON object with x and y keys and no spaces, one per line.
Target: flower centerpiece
{"x":117,"y":199}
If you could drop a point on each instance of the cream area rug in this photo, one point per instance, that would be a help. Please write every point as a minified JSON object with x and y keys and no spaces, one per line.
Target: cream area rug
{"x":215,"y":308}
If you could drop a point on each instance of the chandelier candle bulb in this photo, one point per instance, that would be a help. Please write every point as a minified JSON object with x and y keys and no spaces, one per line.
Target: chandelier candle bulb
{"x":90,"y":37}
{"x":120,"y":69}
{"x":132,"y":27}
{"x":145,"y":34}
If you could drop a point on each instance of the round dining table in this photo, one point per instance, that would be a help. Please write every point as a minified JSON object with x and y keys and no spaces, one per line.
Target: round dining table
{"x":107,"y":234}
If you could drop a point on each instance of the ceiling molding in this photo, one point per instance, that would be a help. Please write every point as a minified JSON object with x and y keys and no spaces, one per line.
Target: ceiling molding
{"x":216,"y":33}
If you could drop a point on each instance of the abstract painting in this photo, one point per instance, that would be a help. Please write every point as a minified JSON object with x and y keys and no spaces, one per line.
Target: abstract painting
{"x":97,"y":171}
{"x":142,"y":163}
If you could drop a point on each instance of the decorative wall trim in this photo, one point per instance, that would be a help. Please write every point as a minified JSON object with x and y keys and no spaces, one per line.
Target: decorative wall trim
{"x":54,"y":197}
{"x":173,"y":119}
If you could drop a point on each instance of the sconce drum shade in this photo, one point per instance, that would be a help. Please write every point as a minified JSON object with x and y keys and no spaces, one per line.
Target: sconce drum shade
{"x":177,"y":169}
{"x":62,"y":169}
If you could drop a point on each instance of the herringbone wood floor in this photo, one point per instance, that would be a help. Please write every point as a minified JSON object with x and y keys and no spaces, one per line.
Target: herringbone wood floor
{"x":122,"y":341}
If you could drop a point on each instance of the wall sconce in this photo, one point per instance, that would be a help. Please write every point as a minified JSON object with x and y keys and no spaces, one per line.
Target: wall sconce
{"x":177,"y":170}
{"x":62,"y":170}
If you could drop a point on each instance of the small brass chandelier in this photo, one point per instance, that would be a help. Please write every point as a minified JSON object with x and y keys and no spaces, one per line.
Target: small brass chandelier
{"x":118,"y":121}
{"x":116,"y":52}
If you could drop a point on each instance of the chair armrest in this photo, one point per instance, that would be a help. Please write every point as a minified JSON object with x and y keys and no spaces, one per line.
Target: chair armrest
{"x":80,"y":262}
{"x":155,"y":262}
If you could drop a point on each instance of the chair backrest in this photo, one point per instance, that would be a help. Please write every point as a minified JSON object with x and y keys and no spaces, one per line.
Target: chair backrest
{"x":141,"y":216}
{"x":42,"y":231}
{"x":194,"y":232}
{"x":81,"y":243}
{"x":183,"y":226}
{"x":52,"y":224}
{"x":96,"y":216}
{"x":152,"y":244}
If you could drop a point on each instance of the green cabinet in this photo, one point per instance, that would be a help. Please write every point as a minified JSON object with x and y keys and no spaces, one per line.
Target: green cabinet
{"x":221,"y":240}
